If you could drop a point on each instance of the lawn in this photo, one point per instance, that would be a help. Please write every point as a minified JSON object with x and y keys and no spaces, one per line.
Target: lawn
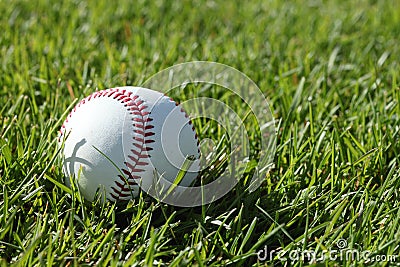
{"x":330,"y":72}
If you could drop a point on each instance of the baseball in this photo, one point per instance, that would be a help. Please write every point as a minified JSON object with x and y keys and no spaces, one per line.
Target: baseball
{"x":119,"y":140}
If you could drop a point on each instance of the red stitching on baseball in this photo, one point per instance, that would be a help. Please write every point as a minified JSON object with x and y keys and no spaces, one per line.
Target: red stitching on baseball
{"x":136,"y":112}
{"x":139,"y":120}
{"x":136,"y":108}
{"x":137,"y":145}
{"x":136,"y":153}
{"x":121,"y":186}
{"x":137,"y":161}
{"x":143,"y":107}
{"x":139,"y":139}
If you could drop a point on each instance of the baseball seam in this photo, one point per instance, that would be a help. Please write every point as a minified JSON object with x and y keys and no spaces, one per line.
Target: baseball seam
{"x":189,"y":121}
{"x":141,"y":140}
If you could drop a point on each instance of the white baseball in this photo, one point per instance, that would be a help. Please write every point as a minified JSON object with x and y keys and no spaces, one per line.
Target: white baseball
{"x":117,"y":139}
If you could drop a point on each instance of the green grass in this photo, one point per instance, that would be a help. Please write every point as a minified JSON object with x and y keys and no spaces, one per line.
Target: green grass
{"x":330,"y":70}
